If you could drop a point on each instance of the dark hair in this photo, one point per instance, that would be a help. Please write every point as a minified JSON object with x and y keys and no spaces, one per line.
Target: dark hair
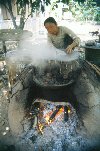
{"x":50,"y":20}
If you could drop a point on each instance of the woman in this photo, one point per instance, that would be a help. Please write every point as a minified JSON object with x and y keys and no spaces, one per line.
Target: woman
{"x":61,"y":37}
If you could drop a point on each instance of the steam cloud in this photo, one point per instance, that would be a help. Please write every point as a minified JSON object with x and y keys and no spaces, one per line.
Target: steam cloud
{"x":37,"y":52}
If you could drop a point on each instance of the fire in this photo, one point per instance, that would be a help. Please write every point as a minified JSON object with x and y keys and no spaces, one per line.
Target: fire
{"x":69,"y":111}
{"x":40,"y":128}
{"x":60,"y":111}
{"x":42,"y":125}
{"x":46,"y":117}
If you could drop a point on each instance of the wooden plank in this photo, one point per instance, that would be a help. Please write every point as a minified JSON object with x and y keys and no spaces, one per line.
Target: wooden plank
{"x":92,"y":72}
{"x":97,"y":69}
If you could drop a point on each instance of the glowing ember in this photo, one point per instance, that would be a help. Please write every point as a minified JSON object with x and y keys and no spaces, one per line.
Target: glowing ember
{"x":69,"y":111}
{"x":47,"y":118}
{"x":47,"y":113}
{"x":40,"y":128}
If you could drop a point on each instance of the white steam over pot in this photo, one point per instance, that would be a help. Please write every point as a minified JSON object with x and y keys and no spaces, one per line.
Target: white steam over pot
{"x":35,"y":52}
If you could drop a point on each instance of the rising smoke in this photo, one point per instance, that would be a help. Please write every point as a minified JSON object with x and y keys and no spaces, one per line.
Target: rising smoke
{"x":37,"y":52}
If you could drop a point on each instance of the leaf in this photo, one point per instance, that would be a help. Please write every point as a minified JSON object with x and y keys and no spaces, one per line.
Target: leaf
{"x":47,"y":2}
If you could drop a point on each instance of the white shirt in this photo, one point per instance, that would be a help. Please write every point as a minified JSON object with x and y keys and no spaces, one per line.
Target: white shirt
{"x":58,"y":40}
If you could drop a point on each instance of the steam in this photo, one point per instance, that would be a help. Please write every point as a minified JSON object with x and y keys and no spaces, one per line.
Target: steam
{"x":37,"y":52}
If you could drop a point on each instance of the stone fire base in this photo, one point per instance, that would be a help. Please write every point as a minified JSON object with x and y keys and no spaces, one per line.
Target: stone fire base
{"x":88,"y":95}
{"x":86,"y":91}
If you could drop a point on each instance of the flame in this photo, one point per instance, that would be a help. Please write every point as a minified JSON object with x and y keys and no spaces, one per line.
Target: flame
{"x":44,"y":118}
{"x":40,"y":128}
{"x":69,"y":111}
{"x":47,"y":119}
{"x":60,"y":111}
{"x":47,"y":116}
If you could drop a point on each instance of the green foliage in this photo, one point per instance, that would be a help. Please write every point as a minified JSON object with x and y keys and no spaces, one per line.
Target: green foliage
{"x":65,"y":1}
{"x":81,"y":10}
{"x":34,"y":5}
{"x":87,"y":11}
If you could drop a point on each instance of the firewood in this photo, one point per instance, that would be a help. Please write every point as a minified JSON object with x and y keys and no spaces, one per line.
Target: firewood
{"x":97,"y":69}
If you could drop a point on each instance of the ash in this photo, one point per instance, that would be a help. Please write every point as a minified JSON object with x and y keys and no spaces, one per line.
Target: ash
{"x":57,"y":136}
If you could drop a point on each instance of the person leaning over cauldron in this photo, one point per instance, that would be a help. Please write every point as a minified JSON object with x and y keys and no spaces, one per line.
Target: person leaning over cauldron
{"x":60,"y":36}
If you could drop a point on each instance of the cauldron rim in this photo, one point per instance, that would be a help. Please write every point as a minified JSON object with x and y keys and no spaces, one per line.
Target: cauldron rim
{"x":70,"y":81}
{"x":53,"y":86}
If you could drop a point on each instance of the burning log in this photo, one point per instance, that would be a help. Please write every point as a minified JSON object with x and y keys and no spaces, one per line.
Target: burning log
{"x":65,"y":113}
{"x":55,"y":112}
{"x":46,"y":113}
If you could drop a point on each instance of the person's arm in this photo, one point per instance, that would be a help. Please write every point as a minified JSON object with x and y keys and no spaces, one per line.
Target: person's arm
{"x":76,"y":40}
{"x":70,"y":47}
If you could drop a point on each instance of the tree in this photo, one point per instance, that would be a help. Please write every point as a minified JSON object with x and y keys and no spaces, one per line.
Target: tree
{"x":22,"y":4}
{"x":33,"y":5}
{"x":82,"y":1}
{"x":8,"y":5}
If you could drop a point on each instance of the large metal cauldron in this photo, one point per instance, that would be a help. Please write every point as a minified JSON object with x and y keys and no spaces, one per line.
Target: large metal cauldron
{"x":55,"y":80}
{"x":92,"y":51}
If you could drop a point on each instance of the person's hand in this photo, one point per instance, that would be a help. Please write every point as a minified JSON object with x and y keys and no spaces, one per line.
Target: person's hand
{"x":69,"y":49}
